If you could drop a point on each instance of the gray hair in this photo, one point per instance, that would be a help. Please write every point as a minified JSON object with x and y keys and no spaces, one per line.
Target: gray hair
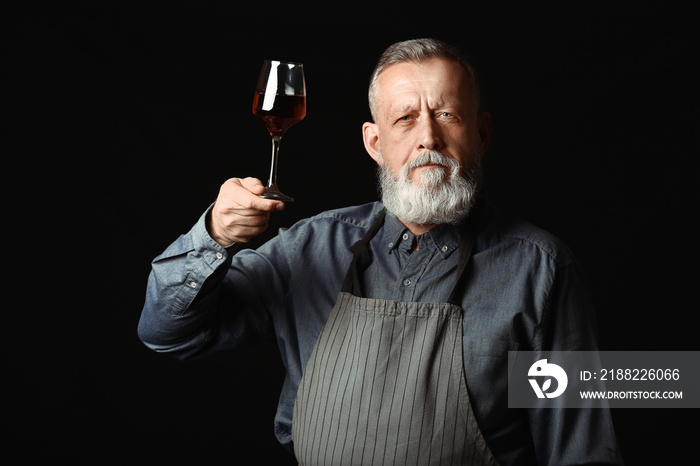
{"x":418,"y":50}
{"x":438,"y":197}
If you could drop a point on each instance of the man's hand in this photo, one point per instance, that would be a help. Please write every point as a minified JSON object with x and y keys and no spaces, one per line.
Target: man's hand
{"x":238,"y":213}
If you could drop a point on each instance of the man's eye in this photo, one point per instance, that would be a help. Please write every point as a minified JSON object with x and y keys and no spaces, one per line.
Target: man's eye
{"x":404,"y":119}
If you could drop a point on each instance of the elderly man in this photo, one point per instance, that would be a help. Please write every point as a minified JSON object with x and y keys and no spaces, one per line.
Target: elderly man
{"x":394,"y":319}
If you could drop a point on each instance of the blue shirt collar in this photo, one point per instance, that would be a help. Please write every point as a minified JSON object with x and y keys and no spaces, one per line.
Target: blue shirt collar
{"x":443,"y":238}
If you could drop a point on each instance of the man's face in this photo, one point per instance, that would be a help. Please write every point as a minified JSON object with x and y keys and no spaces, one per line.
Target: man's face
{"x":426,"y":106}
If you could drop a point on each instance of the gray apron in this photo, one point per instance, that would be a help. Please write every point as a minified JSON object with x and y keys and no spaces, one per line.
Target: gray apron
{"x":385,"y":383}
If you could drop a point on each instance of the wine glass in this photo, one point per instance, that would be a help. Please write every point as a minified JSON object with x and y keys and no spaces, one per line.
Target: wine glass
{"x":279,"y":102}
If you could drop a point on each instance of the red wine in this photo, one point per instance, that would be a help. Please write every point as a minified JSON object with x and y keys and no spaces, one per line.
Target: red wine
{"x":286,"y":110}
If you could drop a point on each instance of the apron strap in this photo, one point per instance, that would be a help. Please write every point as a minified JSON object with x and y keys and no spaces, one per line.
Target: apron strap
{"x":361,"y":258}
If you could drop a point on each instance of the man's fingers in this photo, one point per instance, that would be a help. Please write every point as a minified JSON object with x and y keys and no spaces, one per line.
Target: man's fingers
{"x":239,"y":212}
{"x":246,"y":193}
{"x":253,"y":185}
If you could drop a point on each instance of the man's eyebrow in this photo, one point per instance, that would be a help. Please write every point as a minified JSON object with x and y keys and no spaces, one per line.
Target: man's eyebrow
{"x":408,"y":106}
{"x":401,"y":107}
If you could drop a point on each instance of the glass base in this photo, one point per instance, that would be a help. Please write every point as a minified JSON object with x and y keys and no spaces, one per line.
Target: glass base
{"x":274,"y":193}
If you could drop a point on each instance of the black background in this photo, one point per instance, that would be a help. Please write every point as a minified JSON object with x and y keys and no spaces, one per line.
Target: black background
{"x":122,"y":119}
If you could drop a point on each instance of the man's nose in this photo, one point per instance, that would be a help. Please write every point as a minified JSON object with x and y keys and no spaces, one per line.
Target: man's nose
{"x":429,"y":135}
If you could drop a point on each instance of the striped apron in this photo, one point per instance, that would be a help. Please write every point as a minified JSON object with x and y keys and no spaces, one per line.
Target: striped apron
{"x":385,"y":383}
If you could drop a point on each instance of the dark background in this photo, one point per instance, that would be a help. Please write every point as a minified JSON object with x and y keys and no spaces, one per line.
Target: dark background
{"x":122,"y":119}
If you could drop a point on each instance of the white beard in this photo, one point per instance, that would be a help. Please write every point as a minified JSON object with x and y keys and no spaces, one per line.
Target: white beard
{"x":441,"y":195}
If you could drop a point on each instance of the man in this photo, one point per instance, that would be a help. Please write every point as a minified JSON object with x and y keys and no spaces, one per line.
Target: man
{"x":393,"y":319}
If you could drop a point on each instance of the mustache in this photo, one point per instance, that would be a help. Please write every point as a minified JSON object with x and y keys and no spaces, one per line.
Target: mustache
{"x":432,"y":157}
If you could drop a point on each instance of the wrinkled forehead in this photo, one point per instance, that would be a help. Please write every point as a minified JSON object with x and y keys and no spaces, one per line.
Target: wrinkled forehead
{"x":437,"y":78}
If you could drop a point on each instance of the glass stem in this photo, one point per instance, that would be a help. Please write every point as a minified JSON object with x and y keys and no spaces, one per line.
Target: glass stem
{"x":272,"y":181}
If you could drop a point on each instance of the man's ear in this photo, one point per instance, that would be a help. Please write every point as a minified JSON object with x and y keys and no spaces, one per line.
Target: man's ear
{"x":484,"y":126}
{"x":370,"y":135}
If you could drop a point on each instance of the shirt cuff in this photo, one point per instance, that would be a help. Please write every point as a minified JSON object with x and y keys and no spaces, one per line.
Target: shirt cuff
{"x":203,"y":241}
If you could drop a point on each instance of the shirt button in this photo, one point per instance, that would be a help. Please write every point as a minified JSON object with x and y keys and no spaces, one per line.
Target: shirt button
{"x":407,"y":282}
{"x":444,"y":249}
{"x":405,"y":236}
{"x":192,"y":284}
{"x":219,"y":255}
{"x":391,"y":245}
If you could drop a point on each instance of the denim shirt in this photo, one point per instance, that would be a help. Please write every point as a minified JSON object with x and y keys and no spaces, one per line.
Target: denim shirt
{"x":524,"y":292}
